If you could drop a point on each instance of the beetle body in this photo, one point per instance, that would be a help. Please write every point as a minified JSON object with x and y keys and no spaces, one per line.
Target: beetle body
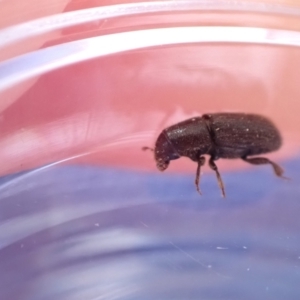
{"x":220,"y":135}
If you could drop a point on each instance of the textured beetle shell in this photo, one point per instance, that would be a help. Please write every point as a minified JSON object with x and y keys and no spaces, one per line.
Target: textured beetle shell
{"x":238,"y":135}
{"x":190,"y":137}
{"x":221,"y":135}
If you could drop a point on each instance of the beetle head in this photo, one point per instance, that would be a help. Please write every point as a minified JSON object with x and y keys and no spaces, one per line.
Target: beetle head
{"x":164,"y":152}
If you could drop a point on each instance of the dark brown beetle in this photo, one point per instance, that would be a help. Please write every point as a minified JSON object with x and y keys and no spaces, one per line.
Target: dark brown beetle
{"x":221,"y":135}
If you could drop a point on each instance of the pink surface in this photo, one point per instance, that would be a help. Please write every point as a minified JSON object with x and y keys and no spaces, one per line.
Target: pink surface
{"x":102,"y":111}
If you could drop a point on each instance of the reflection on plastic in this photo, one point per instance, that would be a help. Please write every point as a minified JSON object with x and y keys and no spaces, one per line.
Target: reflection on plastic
{"x":25,"y":67}
{"x":93,"y":233}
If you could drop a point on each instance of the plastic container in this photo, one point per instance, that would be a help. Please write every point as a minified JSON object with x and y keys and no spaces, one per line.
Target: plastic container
{"x":85,"y":214}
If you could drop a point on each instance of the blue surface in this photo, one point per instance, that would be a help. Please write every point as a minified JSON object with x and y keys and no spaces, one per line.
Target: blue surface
{"x":81,"y":232}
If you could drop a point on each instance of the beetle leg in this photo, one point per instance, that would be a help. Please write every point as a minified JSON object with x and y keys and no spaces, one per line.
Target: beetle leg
{"x":201,"y":162}
{"x":262,"y":161}
{"x":214,"y":167}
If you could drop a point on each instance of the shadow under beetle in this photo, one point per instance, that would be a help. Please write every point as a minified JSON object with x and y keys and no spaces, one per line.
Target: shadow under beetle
{"x":220,"y":135}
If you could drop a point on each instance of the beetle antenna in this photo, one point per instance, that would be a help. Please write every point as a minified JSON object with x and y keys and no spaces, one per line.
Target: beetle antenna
{"x":214,"y":167}
{"x":147,"y":148}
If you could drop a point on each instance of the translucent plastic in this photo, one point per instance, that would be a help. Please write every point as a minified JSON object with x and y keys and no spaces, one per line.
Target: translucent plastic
{"x":85,"y":214}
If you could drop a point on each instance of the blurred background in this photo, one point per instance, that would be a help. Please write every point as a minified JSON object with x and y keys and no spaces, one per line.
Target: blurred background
{"x":84,"y":213}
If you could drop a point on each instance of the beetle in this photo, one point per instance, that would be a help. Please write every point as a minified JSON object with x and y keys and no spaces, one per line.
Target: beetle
{"x":219,"y":135}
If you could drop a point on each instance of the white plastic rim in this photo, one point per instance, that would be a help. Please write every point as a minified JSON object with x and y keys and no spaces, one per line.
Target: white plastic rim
{"x":38,"y":62}
{"x":64,"y":20}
